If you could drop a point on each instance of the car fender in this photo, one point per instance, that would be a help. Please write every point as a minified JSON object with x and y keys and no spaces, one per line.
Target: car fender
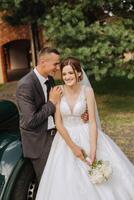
{"x":10,"y":160}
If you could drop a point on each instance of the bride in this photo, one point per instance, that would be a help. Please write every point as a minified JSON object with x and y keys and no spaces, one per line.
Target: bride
{"x":65,"y":176}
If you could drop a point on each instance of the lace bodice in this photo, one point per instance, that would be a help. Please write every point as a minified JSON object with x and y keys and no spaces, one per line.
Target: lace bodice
{"x":73,"y":116}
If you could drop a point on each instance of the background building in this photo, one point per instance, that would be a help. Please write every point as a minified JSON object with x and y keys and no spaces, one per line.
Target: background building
{"x":15,"y":51}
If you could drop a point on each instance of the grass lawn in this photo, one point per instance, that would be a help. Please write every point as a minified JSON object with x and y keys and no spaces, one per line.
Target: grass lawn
{"x":115,"y":100}
{"x":1,"y":86}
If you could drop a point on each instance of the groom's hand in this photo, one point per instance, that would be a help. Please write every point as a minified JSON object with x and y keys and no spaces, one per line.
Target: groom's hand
{"x":55,"y":95}
{"x":85,"y":116}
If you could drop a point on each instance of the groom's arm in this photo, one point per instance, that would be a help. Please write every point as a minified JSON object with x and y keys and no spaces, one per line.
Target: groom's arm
{"x":31,"y":116}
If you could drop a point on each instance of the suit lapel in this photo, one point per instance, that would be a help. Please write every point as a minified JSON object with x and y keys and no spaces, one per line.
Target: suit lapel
{"x":38,"y":86}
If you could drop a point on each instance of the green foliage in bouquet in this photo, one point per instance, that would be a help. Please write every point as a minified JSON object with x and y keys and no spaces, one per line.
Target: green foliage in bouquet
{"x":96,"y":163}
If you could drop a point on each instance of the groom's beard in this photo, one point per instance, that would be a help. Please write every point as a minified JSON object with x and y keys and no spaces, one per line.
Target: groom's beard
{"x":55,"y":74}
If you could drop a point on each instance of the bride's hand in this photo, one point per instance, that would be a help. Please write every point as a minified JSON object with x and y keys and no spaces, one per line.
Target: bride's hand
{"x":78,"y":152}
{"x":92,"y":156}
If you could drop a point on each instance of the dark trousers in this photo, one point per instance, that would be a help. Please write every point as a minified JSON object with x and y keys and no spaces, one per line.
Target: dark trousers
{"x":39,"y":163}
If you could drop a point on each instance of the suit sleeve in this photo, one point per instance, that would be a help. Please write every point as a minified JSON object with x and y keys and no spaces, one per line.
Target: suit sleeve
{"x":32,"y":118}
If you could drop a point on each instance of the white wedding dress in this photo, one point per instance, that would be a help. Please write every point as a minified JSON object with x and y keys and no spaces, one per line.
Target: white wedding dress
{"x":65,"y":177}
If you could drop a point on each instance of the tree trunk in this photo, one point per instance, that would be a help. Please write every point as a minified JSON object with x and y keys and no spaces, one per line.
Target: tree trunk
{"x":35,"y":44}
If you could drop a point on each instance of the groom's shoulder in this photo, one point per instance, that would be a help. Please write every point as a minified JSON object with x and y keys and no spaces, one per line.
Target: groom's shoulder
{"x":27,"y":79}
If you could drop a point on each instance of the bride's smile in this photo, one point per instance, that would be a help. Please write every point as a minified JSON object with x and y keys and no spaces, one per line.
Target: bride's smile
{"x":70,"y":76}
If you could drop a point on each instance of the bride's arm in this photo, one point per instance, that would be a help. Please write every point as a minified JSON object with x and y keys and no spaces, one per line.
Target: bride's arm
{"x":63,"y":132}
{"x":92,"y":120}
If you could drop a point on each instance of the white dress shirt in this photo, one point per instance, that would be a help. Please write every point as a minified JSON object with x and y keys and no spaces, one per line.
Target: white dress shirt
{"x":42,"y":81}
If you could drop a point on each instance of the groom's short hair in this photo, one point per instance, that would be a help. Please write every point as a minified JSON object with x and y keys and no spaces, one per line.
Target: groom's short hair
{"x":47,"y":50}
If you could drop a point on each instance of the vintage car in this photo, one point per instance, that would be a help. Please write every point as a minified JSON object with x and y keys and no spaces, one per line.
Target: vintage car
{"x":17,"y":177}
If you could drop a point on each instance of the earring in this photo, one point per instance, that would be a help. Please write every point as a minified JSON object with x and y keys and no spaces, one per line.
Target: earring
{"x":79,"y":78}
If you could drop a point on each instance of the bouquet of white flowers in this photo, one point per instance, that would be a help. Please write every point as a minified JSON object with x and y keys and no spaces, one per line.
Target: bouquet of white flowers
{"x":100,"y":171}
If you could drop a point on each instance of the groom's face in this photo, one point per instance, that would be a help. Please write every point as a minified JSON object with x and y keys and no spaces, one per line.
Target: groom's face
{"x":49,"y":63}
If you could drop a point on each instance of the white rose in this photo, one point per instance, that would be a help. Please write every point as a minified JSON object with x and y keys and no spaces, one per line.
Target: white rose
{"x":108,"y":172}
{"x":97,"y":177}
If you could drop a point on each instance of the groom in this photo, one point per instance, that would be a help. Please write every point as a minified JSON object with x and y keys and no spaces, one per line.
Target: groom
{"x":36,"y":99}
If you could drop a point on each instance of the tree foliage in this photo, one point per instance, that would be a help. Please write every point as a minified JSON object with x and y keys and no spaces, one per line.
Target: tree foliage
{"x":83,"y":28}
{"x":99,"y":44}
{"x":23,"y":11}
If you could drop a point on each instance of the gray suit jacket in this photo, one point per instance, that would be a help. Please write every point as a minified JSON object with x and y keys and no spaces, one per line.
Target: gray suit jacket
{"x":34,"y":113}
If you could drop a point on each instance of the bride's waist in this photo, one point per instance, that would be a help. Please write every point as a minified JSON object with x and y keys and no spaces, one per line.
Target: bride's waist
{"x":72,"y":120}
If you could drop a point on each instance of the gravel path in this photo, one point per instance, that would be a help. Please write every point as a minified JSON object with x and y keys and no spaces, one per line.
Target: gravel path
{"x":8,"y":91}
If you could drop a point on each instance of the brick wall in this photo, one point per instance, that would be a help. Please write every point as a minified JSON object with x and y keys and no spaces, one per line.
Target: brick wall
{"x":9,"y":33}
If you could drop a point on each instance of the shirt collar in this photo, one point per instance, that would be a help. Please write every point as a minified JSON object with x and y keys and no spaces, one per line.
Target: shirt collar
{"x":41,"y":78}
